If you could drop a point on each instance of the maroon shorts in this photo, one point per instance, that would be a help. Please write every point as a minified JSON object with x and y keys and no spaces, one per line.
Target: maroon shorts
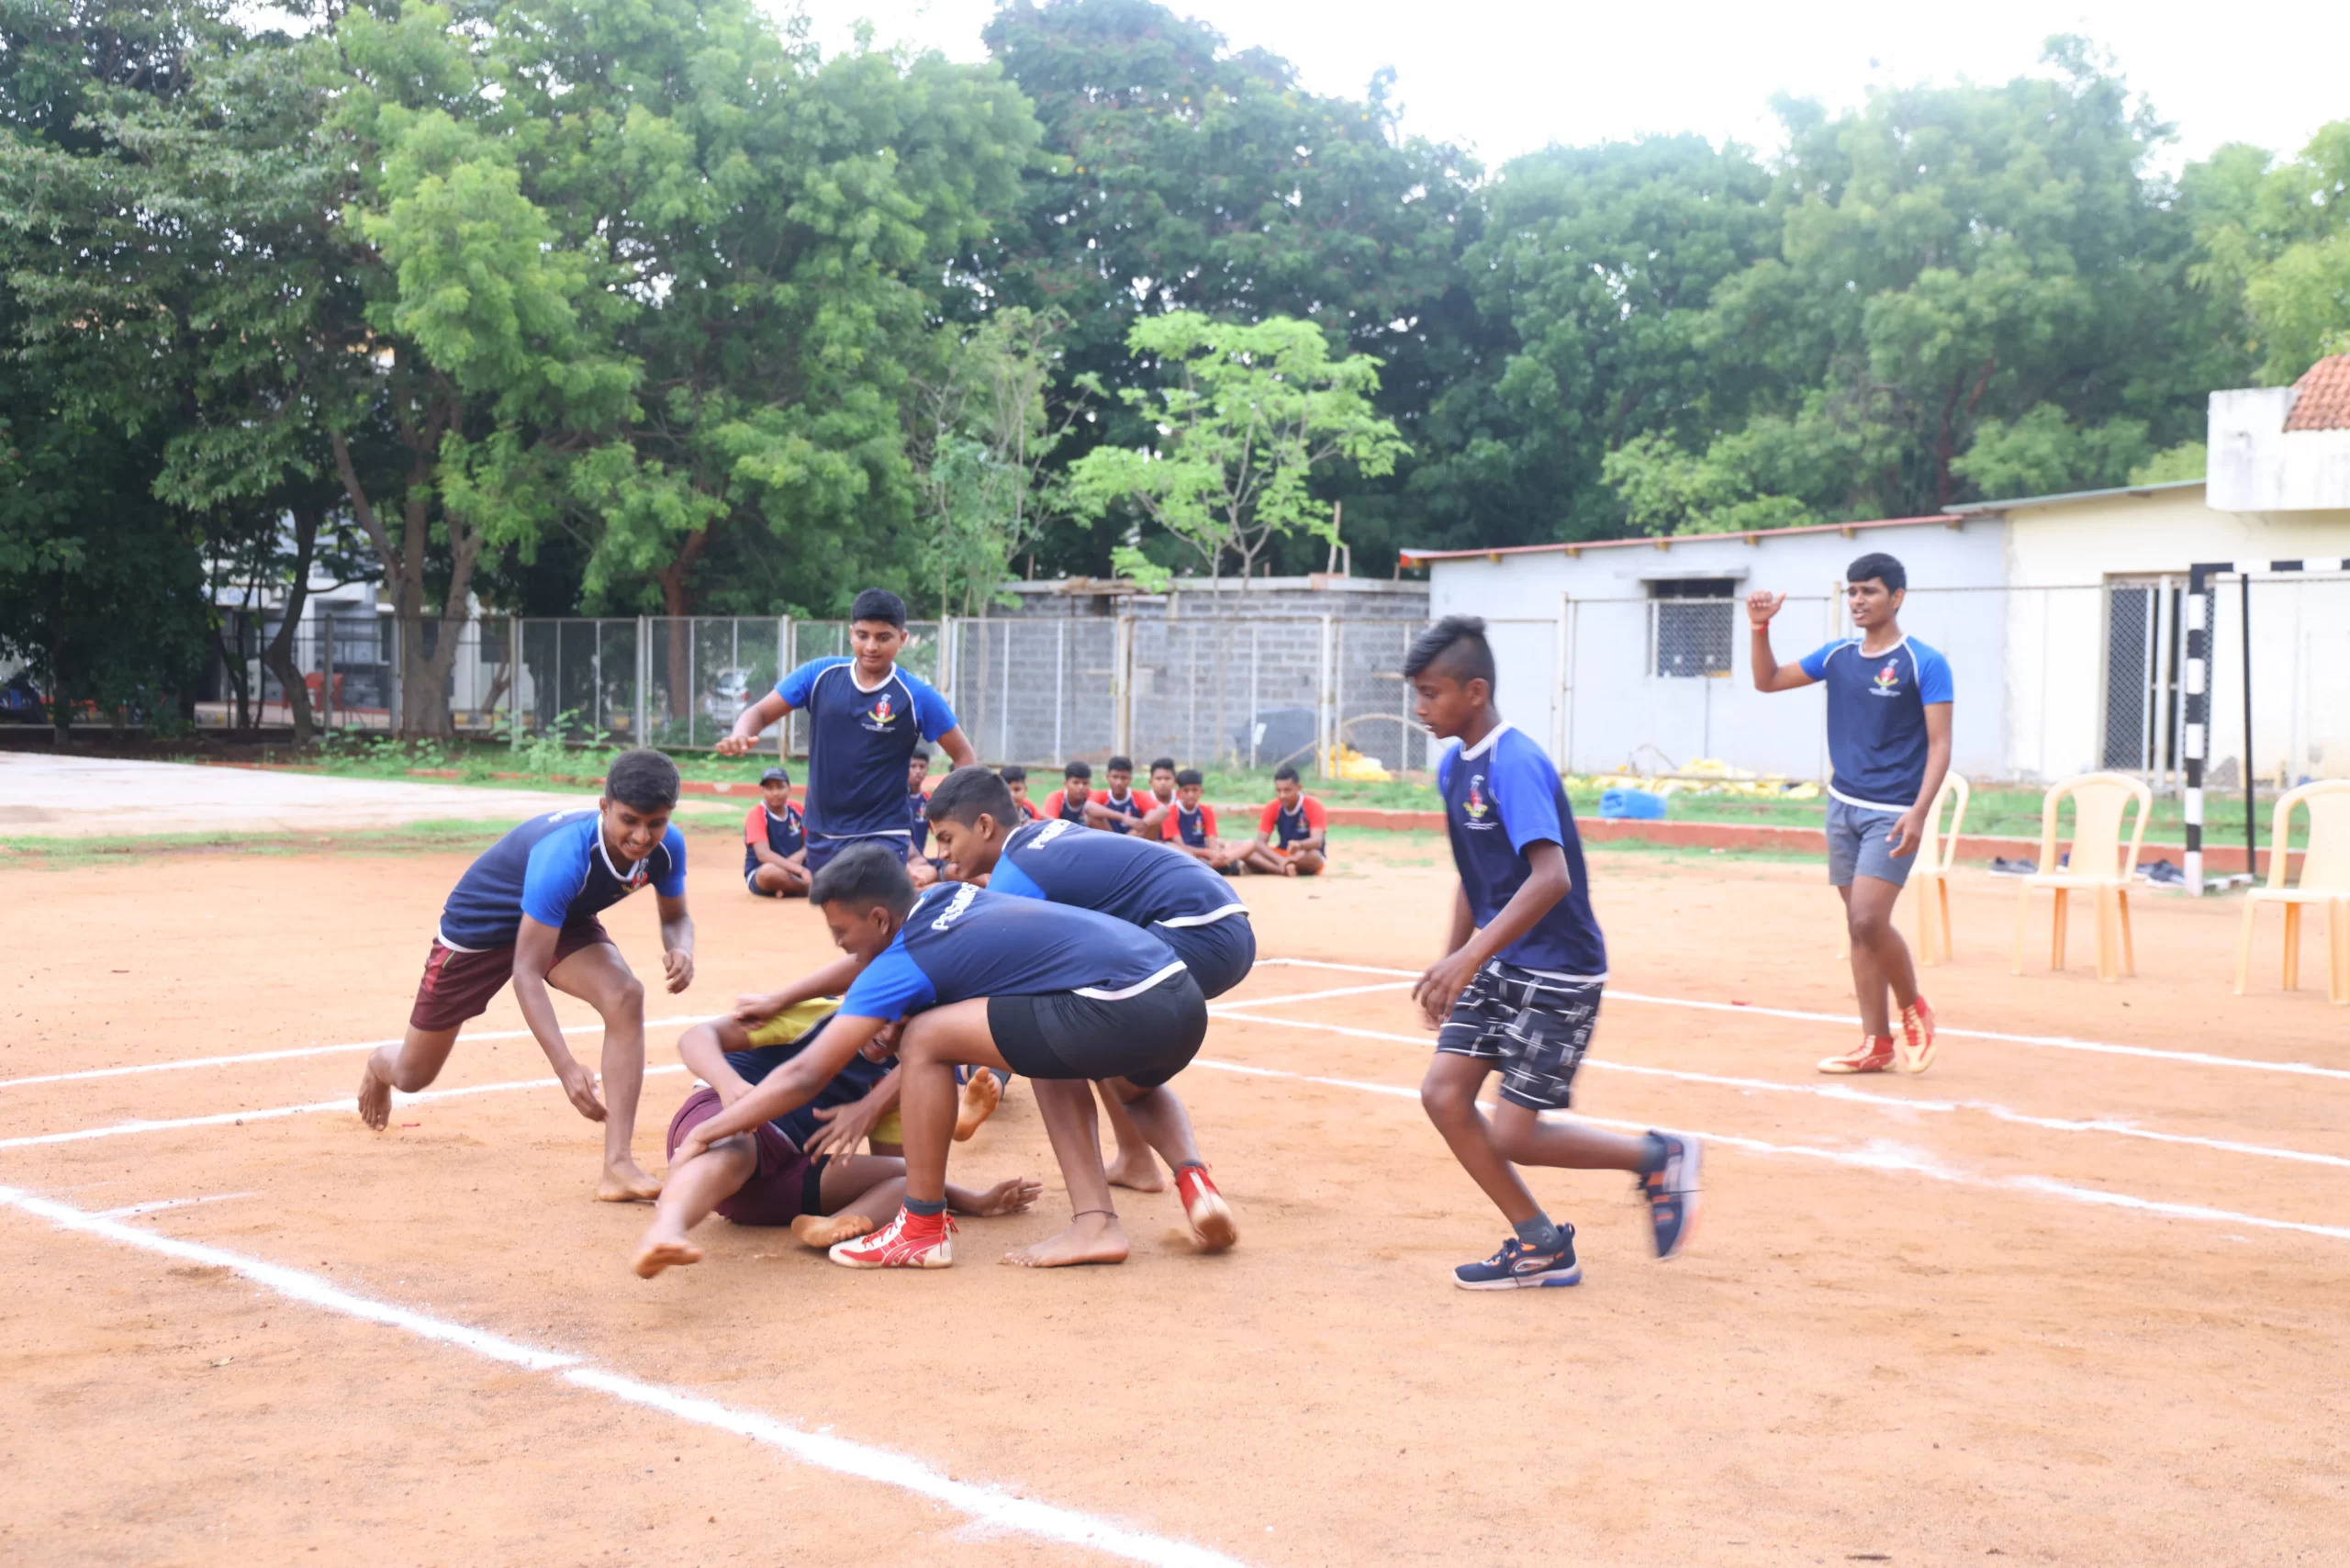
{"x":458,"y":986}
{"x":785,"y":1184}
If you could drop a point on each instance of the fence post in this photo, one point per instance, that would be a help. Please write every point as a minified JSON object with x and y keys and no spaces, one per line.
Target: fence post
{"x":326,"y":672}
{"x":946,"y":672}
{"x":395,"y":716}
{"x":1325,"y":724}
{"x":782,"y":668}
{"x":642,"y":676}
{"x":1122,"y":683}
{"x":1561,"y":692}
{"x":514,"y":679}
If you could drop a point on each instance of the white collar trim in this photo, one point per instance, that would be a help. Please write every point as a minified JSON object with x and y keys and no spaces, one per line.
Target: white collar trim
{"x":1471,"y":753}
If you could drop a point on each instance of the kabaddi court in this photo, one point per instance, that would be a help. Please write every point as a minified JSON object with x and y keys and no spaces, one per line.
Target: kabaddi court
{"x":2074,"y":1297}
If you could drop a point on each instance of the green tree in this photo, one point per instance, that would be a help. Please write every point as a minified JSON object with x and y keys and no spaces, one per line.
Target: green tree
{"x":2276,"y":249}
{"x":1243,"y":417}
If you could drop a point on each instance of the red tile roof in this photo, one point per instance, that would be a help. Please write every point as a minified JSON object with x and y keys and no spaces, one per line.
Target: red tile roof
{"x":2324,"y":400}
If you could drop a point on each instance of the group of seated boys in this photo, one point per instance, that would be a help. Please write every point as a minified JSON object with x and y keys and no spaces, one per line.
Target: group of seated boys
{"x":1292,"y":834}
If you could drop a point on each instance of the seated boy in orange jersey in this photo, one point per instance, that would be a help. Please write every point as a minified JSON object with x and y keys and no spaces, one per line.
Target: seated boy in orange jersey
{"x":1015,"y":778}
{"x":1189,"y":824}
{"x":1293,"y":836}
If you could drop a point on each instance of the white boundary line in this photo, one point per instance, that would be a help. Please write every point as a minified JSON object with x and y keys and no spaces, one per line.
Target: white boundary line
{"x":986,"y":1504}
{"x":2058,"y":1042}
{"x":1879,"y":1157}
{"x":184,"y":1063}
{"x":1848,"y":1096}
{"x":129,"y":1210}
{"x":273,"y":1113}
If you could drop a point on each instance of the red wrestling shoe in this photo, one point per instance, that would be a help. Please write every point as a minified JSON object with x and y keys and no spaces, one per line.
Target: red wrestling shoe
{"x":1917,"y":1037}
{"x":1204,"y":1209}
{"x":1874,"y":1054}
{"x":909,"y":1241}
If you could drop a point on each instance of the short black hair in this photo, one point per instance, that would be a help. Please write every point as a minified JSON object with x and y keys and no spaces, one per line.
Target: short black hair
{"x":1455,"y":647}
{"x":1119,"y":765}
{"x":880,"y":604}
{"x":1878,"y":566}
{"x":967,"y":792}
{"x":1165,"y":762}
{"x":643,"y":779}
{"x":1284,"y":771}
{"x":862,"y":876}
{"x":1080,"y":768}
{"x":1011,"y":773}
{"x":921,"y":752}
{"x":1187,"y":777}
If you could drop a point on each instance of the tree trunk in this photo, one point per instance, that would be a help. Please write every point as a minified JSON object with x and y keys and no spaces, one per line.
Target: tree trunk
{"x":278,"y":657}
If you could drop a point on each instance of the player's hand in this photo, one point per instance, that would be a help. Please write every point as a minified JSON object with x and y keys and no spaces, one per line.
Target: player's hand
{"x":1762,"y":604}
{"x":733,"y":745}
{"x":678,"y":965}
{"x":1909,"y":832}
{"x":844,"y":1130}
{"x":1442,"y":984}
{"x":920,"y":872}
{"x":694,"y":1147}
{"x":757,"y":1008}
{"x":579,"y":1088}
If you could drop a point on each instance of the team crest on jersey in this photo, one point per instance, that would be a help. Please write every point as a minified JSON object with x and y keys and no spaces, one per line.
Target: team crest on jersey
{"x":882,"y":714}
{"x":1888,"y":680}
{"x":1477,"y":808}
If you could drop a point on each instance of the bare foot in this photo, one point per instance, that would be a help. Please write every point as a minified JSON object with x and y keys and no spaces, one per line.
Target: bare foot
{"x":1135,"y":1170}
{"x":374,"y":1096}
{"x":823,"y":1230}
{"x":980,"y":1097}
{"x":659,"y":1252}
{"x":1012,"y":1196}
{"x":1091,"y":1238}
{"x":627,"y":1184}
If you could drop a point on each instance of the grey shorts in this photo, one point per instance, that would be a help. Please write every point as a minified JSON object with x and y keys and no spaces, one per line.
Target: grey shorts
{"x":1856,"y":845}
{"x":1533,"y":1028}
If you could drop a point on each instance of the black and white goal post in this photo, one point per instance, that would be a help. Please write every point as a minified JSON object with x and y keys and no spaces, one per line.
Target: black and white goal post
{"x":2203,"y":604}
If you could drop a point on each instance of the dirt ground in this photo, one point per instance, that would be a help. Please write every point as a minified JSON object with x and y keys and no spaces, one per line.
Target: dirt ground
{"x":1938,"y":1320}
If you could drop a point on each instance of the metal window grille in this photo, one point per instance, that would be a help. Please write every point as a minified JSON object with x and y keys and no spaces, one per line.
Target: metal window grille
{"x":1689,"y":637}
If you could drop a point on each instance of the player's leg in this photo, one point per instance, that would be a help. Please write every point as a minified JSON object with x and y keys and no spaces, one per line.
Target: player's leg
{"x":778,"y":881}
{"x":861,"y":1191}
{"x":408,"y":1066}
{"x":1159,"y":1117}
{"x":1133,"y":1167}
{"x":1878,"y":878}
{"x":456,"y":986}
{"x":1308,"y":862}
{"x":1449,"y":1095}
{"x":1093,"y":1234}
{"x":597,"y":974}
{"x":1847,"y":833}
{"x":1256,"y":856}
{"x":691,"y":1193}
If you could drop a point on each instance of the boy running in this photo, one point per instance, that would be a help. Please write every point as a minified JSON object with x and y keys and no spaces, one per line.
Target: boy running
{"x":1015,"y":778}
{"x":1889,"y":701}
{"x":866,"y":716}
{"x":1172,"y":896}
{"x":1117,"y":808}
{"x":1068,"y":803}
{"x":1294,"y":835}
{"x":1057,"y":995}
{"x":1190,"y":826}
{"x":1517,"y":990}
{"x":526,"y":911}
{"x":774,"y":841}
{"x":802,"y":1170}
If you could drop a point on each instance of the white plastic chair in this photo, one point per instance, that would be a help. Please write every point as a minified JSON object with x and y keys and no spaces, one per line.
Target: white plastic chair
{"x":2098,"y":865}
{"x":2325,"y":880}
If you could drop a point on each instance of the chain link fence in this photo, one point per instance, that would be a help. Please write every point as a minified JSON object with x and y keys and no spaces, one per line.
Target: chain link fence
{"x":2050,"y":681}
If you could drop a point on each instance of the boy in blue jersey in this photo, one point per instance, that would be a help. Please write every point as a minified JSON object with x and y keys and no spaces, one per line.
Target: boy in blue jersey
{"x":802,"y":1170}
{"x":1169,"y":894}
{"x":982,"y":979}
{"x":1190,"y":825}
{"x":921,"y":865}
{"x":1889,"y":701}
{"x":774,"y":841}
{"x":866,"y":716}
{"x":1068,"y":802}
{"x":526,"y":911}
{"x":1517,"y":990}
{"x":1117,"y":807}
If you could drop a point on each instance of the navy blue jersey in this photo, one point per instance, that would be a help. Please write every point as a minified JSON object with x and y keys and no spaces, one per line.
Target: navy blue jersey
{"x":556,"y":869}
{"x":963,"y":941}
{"x":917,"y":820}
{"x":1877,"y":718}
{"x":851,"y":1084}
{"x":1127,"y":878}
{"x":1500,"y":796}
{"x":859,"y":744}
{"x":1131,"y":807}
{"x":785,"y":834}
{"x":1194,"y":825}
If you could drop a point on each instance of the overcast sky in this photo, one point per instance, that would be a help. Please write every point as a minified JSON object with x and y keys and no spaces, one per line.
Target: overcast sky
{"x":1511,"y":75}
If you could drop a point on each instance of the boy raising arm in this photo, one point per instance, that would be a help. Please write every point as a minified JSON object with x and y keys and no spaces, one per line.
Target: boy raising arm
{"x":526,"y":911}
{"x":1518,"y":988}
{"x":1889,"y":700}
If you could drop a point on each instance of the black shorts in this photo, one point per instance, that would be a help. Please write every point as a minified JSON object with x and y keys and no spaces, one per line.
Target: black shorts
{"x":1219,"y":954}
{"x":1536,"y":1027}
{"x":1145,"y":1038}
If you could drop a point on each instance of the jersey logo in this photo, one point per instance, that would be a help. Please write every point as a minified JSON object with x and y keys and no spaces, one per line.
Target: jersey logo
{"x":1477,"y":808}
{"x":1888,"y":680}
{"x":882,"y":714}
{"x":955,"y":906}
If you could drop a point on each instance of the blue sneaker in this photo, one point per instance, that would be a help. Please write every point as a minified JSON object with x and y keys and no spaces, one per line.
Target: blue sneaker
{"x":1517,"y":1266}
{"x":1672,"y":1190}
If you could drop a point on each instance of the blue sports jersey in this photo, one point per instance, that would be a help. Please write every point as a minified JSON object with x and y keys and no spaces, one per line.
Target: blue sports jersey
{"x":859,"y":743}
{"x":1127,"y":878}
{"x":1191,"y":825}
{"x":1500,"y":796}
{"x":852,"y":1083}
{"x":556,"y":869}
{"x":917,"y":821}
{"x":1131,"y":808}
{"x":786,"y":834}
{"x":963,"y":941}
{"x":1877,"y":718}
